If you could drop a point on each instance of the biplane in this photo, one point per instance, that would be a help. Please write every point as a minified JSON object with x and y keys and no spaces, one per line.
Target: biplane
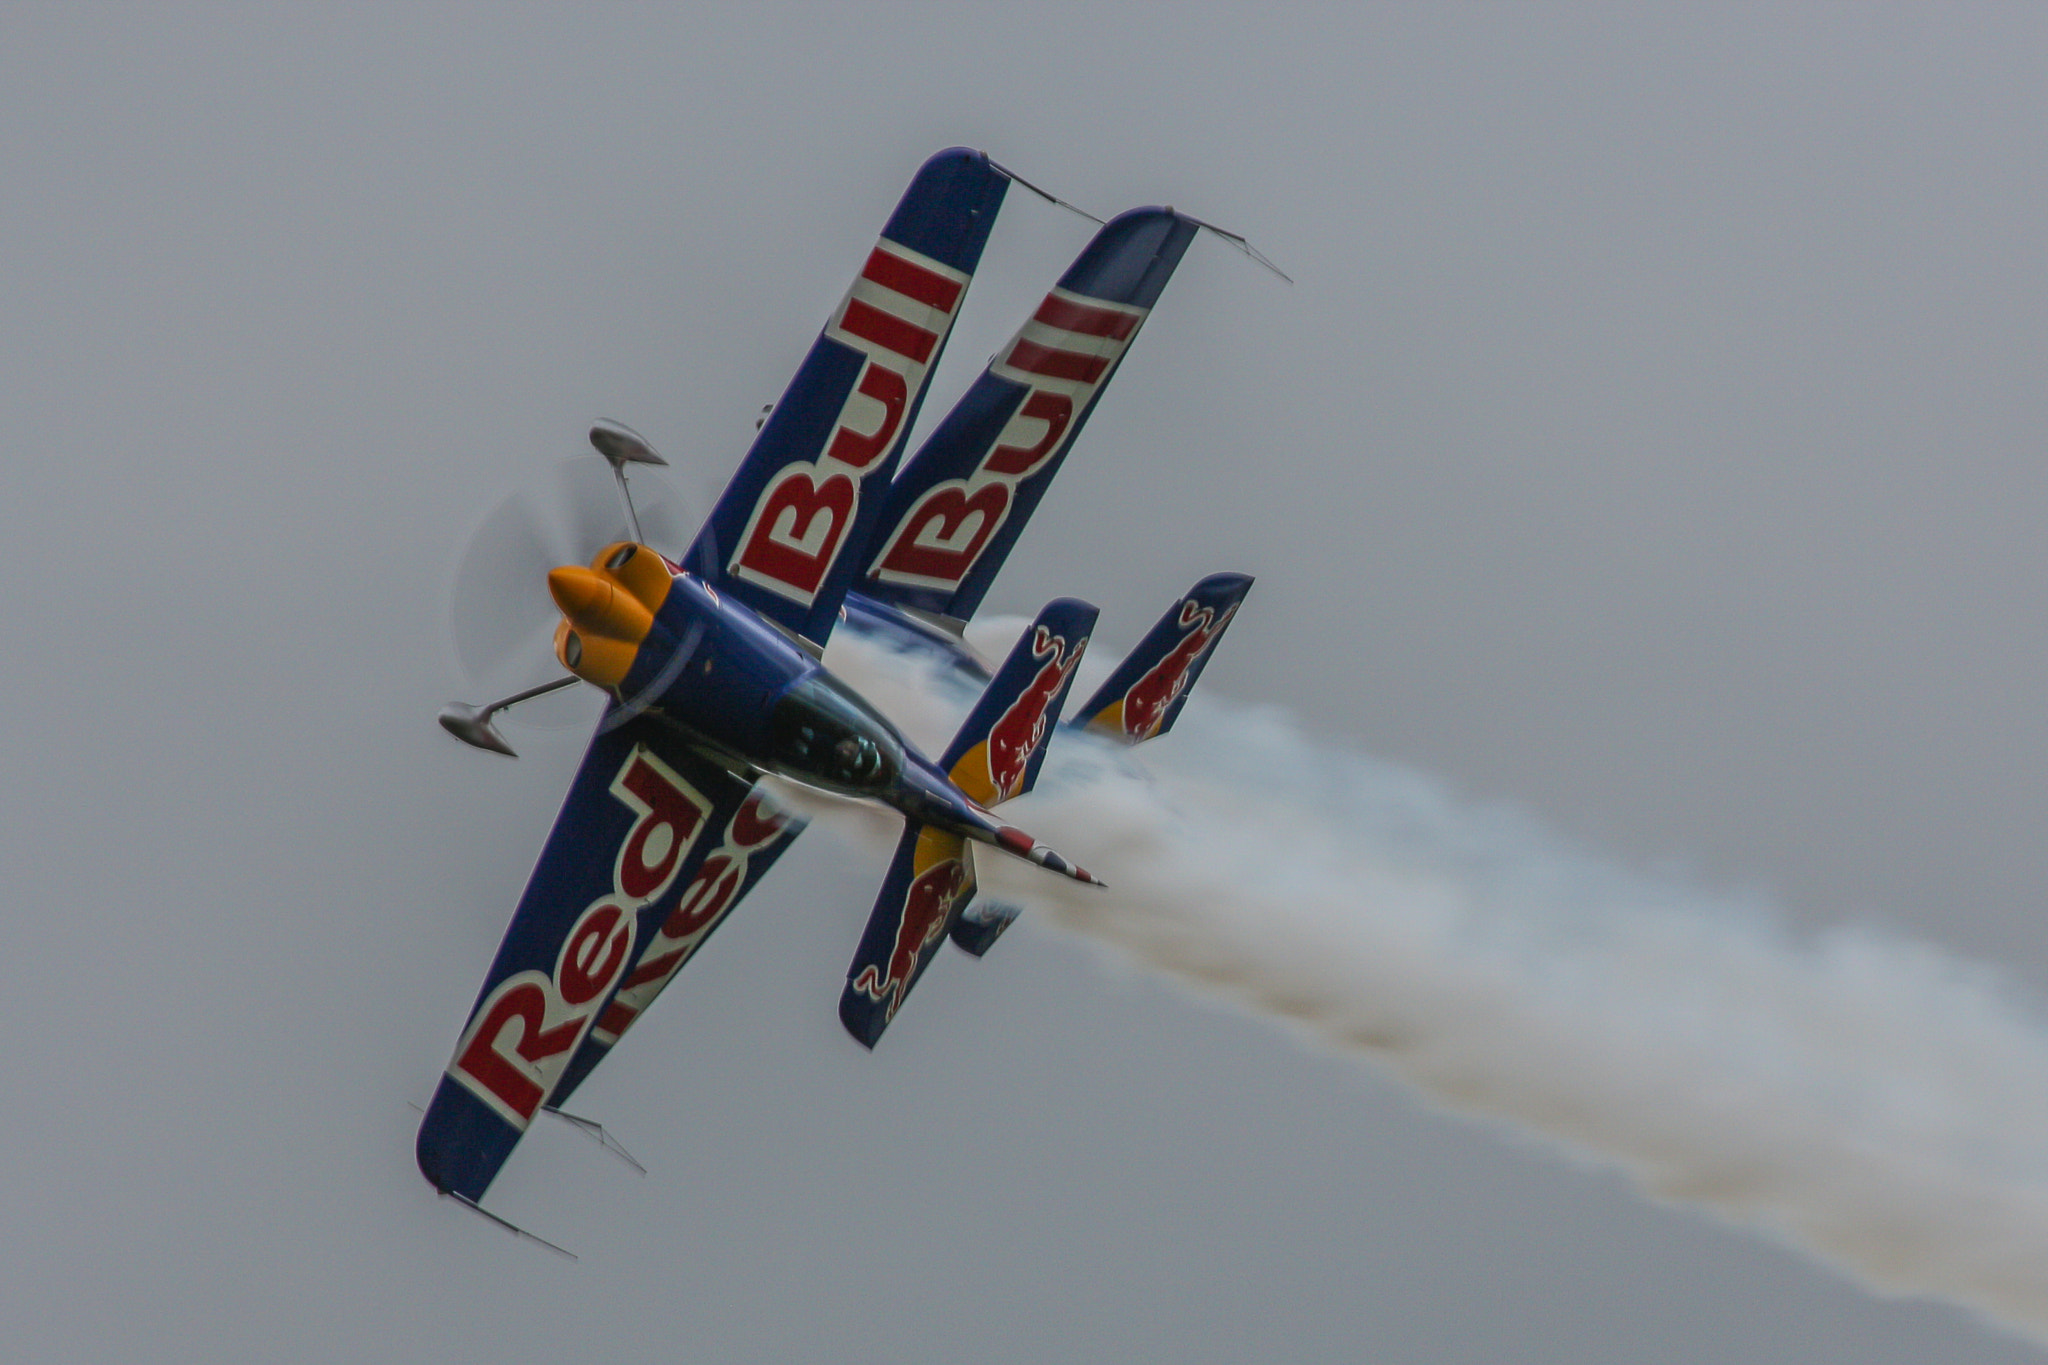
{"x":711,"y":662}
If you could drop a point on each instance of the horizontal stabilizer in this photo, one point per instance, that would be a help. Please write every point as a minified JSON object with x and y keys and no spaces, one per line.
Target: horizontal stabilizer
{"x":1143,"y":697}
{"x":929,"y":879}
{"x":995,"y":756}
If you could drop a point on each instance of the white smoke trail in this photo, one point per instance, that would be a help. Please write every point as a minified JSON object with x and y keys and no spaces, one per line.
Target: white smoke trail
{"x":1872,"y":1102}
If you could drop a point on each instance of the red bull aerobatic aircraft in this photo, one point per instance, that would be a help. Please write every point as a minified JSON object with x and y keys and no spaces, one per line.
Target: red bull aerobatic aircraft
{"x":711,"y":662}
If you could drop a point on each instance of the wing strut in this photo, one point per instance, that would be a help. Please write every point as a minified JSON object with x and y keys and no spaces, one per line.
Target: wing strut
{"x":510,"y":1226}
{"x":1047,"y":195}
{"x":596,"y":1131}
{"x":1237,"y":240}
{"x":472,"y":724}
{"x":621,"y":445}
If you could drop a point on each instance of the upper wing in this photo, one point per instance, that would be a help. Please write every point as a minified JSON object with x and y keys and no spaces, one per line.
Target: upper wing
{"x":961,"y":502}
{"x":643,"y":811}
{"x":778,"y":538}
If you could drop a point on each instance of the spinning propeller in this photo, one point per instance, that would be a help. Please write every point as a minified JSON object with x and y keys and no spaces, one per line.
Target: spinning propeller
{"x":501,"y":618}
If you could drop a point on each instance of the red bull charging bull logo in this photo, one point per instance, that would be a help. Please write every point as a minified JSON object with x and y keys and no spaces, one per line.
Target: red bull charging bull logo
{"x":1020,"y":731}
{"x":1146,"y":704}
{"x":927,"y":908}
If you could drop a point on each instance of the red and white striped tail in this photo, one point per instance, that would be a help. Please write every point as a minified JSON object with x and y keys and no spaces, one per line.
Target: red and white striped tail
{"x":1013,"y":840}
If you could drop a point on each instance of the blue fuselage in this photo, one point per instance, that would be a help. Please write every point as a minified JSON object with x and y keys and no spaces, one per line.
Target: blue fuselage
{"x":718,"y":671}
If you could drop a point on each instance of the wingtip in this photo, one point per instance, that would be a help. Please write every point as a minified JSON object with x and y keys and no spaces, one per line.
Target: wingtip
{"x":863,"y":1024}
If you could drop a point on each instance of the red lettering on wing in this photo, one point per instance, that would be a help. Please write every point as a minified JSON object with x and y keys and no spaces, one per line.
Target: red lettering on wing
{"x":756,"y":823}
{"x":896,"y":318}
{"x":1067,"y":349}
{"x":653,"y":969}
{"x":487,"y":1062}
{"x":886,"y":387}
{"x":705,"y":899}
{"x":912,"y":280}
{"x":1056,"y":410}
{"x":668,"y":822}
{"x":1075,"y":315}
{"x":1054,"y":363}
{"x":596,"y":949}
{"x":518,"y":1039}
{"x":798,"y":530}
{"x":886,"y":330}
{"x":946,"y":530}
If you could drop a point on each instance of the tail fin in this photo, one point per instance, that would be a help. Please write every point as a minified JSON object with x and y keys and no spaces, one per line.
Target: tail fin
{"x":1139,"y":702}
{"x":995,"y":756}
{"x":1001,"y":745}
{"x":1144,"y":696}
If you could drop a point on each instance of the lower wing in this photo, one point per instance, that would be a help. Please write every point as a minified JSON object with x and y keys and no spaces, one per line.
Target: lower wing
{"x":642,"y":821}
{"x":715,"y":879}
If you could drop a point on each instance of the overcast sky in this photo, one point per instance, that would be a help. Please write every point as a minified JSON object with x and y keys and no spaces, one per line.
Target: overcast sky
{"x":1651,"y":443}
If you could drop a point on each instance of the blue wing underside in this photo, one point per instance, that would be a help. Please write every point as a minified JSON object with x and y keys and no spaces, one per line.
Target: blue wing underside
{"x":644,"y":816}
{"x":786,"y":537}
{"x":956,"y":510}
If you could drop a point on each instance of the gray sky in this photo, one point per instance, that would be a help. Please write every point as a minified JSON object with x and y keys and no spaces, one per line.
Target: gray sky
{"x":1651,"y":442}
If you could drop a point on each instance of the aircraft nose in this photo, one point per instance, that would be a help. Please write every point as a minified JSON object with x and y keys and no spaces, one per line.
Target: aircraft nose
{"x":580,"y":593}
{"x":603,"y":624}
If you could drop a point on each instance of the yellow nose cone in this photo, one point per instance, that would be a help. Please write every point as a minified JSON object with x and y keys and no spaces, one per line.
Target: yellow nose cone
{"x":594,"y":658}
{"x":602,"y":626}
{"x":595,"y":605}
{"x":578,"y":591}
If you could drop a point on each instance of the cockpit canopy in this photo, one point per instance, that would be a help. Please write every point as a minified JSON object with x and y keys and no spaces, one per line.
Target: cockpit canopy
{"x":822,"y":734}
